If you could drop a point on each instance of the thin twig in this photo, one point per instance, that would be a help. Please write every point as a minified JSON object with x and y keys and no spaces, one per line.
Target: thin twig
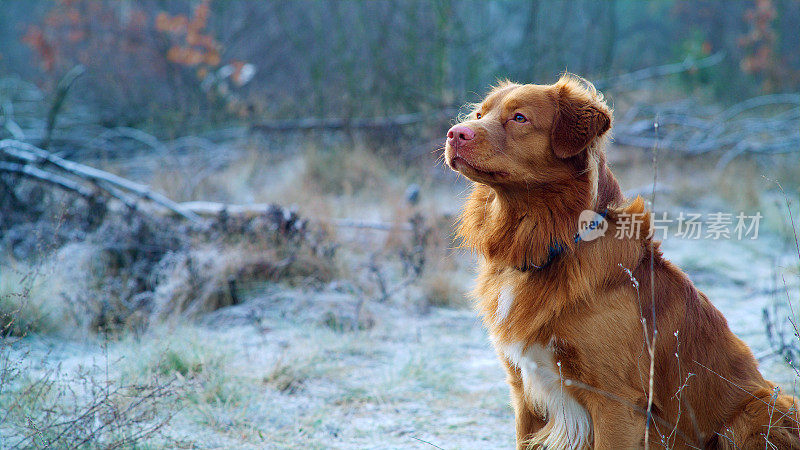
{"x":651,"y":345}
{"x":426,"y":442}
{"x":61,"y":94}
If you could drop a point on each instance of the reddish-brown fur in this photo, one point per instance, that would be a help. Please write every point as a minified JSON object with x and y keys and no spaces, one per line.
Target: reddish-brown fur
{"x":531,"y":181}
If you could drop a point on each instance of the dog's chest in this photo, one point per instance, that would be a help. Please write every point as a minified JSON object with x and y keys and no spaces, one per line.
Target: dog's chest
{"x":568,"y":422}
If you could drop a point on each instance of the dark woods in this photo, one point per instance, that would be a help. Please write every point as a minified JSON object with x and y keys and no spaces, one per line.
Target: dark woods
{"x":194,"y":63}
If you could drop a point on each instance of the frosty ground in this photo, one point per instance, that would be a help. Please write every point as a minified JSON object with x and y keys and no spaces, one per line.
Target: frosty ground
{"x":273,"y":373}
{"x":358,"y":360}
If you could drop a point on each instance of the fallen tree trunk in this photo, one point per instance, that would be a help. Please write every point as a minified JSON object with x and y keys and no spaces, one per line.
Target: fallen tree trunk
{"x":47,"y":177}
{"x":215,"y":209}
{"x":686,"y":65}
{"x":694,"y":129}
{"x":123,"y":189}
{"x":311,"y":123}
{"x":31,"y":154}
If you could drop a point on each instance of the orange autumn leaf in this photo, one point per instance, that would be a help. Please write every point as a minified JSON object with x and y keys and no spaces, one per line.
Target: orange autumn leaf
{"x":173,"y":25}
{"x":35,"y":39}
{"x":212,"y":58}
{"x":185,"y":56}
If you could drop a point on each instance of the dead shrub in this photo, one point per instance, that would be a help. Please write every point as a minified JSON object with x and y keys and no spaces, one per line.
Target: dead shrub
{"x":441,"y":289}
{"x":133,"y":267}
{"x":52,"y":409}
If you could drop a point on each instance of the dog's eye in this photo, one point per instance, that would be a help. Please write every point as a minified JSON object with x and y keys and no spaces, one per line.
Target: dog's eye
{"x":478,"y":115}
{"x":519,"y":118}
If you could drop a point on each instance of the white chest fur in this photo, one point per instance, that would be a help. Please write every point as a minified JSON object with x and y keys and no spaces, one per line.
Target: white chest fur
{"x":504,"y":303}
{"x":568,"y":423}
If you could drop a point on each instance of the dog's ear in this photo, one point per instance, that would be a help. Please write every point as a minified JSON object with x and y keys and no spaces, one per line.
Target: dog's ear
{"x":581,"y":116}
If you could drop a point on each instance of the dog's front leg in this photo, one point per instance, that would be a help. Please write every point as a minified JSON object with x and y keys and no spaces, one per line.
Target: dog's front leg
{"x":617,"y":426}
{"x":527,"y":421}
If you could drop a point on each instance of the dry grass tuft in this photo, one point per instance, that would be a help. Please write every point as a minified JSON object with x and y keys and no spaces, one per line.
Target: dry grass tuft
{"x":745,"y":185}
{"x":346,"y":172}
{"x":26,"y":302}
{"x":441,"y":289}
{"x":200,"y":367}
{"x":286,"y":379}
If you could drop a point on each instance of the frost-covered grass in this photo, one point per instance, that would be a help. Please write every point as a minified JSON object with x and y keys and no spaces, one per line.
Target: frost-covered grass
{"x":327,"y":365}
{"x":283,"y":382}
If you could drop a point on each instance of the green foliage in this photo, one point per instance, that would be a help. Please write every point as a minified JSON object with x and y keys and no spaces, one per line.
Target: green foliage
{"x":173,"y":361}
{"x":184,"y":355}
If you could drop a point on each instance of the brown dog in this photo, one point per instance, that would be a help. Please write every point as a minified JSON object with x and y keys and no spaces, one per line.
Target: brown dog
{"x":573,"y":320}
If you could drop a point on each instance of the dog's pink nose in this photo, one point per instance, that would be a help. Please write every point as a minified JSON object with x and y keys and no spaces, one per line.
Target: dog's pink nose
{"x":460,"y":134}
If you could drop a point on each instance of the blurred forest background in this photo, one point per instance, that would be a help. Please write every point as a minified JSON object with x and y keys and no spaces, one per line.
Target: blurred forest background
{"x":225,"y":223}
{"x":180,"y":66}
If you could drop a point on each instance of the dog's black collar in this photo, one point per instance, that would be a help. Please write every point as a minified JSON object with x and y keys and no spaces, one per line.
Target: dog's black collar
{"x":556,"y":249}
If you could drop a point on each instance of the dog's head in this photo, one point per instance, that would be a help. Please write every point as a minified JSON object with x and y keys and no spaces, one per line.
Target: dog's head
{"x":528,"y":135}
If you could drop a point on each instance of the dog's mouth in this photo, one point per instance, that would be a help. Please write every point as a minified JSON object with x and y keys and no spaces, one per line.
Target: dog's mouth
{"x":458,"y":163}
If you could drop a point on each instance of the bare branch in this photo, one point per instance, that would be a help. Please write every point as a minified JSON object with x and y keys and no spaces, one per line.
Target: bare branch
{"x":34,"y":155}
{"x":312,"y":123}
{"x":47,"y":177}
{"x":660,"y":71}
